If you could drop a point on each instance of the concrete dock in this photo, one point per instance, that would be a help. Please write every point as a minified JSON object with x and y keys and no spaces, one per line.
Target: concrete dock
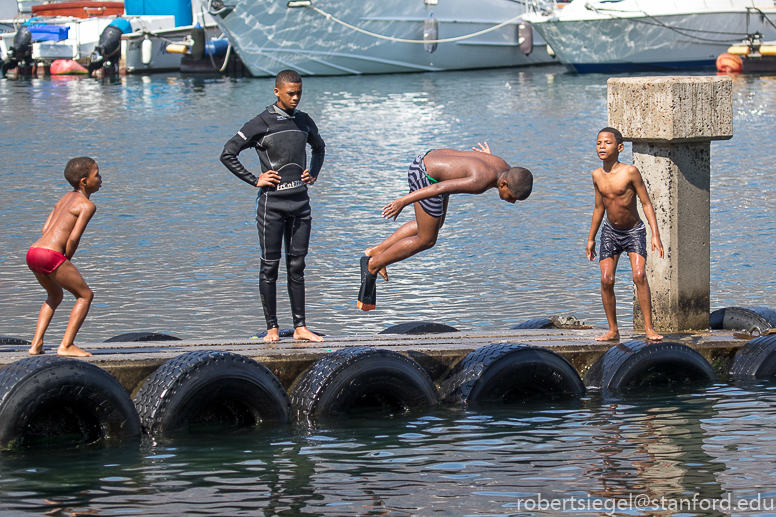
{"x":132,"y":363}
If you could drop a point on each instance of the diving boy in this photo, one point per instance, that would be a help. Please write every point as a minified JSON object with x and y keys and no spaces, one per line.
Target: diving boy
{"x":49,"y":258}
{"x":280,"y":134}
{"x":432,"y":177}
{"x":616,"y":187}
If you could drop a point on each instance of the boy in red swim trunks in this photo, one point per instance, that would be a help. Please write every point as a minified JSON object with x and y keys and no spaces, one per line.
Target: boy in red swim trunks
{"x":49,"y":258}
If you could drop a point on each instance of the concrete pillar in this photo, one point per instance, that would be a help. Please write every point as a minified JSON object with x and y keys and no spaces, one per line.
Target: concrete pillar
{"x":671,"y":122}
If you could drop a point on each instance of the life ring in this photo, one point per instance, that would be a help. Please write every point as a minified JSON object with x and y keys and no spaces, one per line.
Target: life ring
{"x":419,"y":327}
{"x":136,"y":337}
{"x":61,"y":401}
{"x":750,"y":319}
{"x":357,"y":378}
{"x":756,"y":359}
{"x":638,"y":364}
{"x":208,"y":387}
{"x":511,"y":372}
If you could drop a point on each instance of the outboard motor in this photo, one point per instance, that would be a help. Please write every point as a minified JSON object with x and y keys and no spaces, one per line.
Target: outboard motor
{"x":109,"y":47}
{"x":21,"y":51}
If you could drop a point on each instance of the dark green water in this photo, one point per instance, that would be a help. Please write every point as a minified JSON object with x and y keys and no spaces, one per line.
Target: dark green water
{"x":709,"y":443}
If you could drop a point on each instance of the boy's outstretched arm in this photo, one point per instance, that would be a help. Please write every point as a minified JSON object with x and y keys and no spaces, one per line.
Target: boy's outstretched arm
{"x":649,"y":211}
{"x":598,"y":216}
{"x":470,"y":185}
{"x":84,"y":217}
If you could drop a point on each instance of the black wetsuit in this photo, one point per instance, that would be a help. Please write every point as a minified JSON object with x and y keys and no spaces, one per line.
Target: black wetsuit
{"x":282,"y":212}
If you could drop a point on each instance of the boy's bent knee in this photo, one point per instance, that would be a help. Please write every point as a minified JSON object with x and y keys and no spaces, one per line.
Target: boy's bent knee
{"x":87,"y":295}
{"x":639,"y":278}
{"x":428,"y":242}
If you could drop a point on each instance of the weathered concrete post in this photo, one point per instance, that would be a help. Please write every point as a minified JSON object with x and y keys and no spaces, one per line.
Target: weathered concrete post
{"x":671,"y":122}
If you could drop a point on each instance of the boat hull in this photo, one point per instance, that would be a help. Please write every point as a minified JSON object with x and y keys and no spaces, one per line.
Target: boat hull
{"x":269,"y":37}
{"x":671,"y":42}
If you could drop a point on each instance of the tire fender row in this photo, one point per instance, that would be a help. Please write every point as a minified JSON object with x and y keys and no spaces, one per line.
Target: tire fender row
{"x":45,"y":398}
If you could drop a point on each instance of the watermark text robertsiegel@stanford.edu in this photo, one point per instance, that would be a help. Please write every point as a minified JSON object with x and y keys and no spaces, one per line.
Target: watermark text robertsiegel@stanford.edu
{"x":642,"y":502}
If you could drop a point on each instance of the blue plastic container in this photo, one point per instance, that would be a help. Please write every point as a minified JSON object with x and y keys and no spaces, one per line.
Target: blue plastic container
{"x":42,"y":32}
{"x":216,"y":47}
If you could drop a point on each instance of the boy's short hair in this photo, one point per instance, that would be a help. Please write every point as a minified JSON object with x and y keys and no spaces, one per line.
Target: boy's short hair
{"x":616,"y":133}
{"x":78,"y":168}
{"x":520,"y":182}
{"x":287,"y":76}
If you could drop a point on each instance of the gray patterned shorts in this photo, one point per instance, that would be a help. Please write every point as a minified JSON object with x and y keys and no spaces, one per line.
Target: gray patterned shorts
{"x":614,"y":241}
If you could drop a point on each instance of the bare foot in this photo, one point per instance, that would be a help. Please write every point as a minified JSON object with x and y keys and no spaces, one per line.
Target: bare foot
{"x":37,"y":349}
{"x":653,"y":336}
{"x":272,"y":335}
{"x":383,"y":272}
{"x":72,"y":351}
{"x":302,"y":333}
{"x":612,"y":335}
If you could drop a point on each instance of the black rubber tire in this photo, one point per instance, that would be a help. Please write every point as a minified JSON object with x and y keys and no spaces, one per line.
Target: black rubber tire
{"x":511,"y":372}
{"x":60,"y":401}
{"x":419,"y":327}
{"x":756,"y":359}
{"x":637,"y":364}
{"x":537,"y":323}
{"x":362,"y":378}
{"x":213,"y":388}
{"x":743,"y":318}
{"x":5,"y":340}
{"x":136,"y":337}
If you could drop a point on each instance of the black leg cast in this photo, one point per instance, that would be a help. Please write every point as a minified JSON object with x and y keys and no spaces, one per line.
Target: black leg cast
{"x":295,"y":270}
{"x":367,"y":295}
{"x":268,"y":277}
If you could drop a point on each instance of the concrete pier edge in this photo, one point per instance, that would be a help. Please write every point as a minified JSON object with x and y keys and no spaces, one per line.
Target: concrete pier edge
{"x":671,"y":121}
{"x":132,"y":363}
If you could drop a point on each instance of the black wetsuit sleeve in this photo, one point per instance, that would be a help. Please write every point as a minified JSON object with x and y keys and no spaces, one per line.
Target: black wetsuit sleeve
{"x":248,"y":136}
{"x":319,"y":148}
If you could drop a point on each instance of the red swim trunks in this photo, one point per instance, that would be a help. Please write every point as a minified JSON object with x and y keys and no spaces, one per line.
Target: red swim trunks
{"x":43,"y":260}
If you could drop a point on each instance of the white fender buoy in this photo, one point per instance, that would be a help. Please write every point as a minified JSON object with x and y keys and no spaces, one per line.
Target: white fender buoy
{"x":147,"y":50}
{"x":525,"y":37}
{"x":430,"y":33}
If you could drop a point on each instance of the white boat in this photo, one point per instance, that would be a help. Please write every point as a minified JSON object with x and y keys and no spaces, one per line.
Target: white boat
{"x":632,"y":35}
{"x":341,"y":37}
{"x":143,"y":48}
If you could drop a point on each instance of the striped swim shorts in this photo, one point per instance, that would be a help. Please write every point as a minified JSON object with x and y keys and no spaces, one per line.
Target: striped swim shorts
{"x":417,"y":179}
{"x":614,"y":241}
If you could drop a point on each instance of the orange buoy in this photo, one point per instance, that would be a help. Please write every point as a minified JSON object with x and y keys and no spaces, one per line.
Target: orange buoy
{"x":730,"y":63}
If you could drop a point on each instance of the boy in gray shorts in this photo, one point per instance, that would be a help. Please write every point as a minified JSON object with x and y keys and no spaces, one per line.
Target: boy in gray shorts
{"x":616,"y":187}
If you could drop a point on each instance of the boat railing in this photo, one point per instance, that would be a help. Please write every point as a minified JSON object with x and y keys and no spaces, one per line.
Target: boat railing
{"x":543,"y":7}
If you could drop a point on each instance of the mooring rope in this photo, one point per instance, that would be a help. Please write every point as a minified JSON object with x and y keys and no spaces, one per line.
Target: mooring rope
{"x":679,"y":30}
{"x":401,"y":40}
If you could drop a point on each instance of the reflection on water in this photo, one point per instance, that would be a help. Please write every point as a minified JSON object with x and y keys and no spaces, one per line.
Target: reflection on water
{"x":173,"y":246}
{"x":712,"y":442}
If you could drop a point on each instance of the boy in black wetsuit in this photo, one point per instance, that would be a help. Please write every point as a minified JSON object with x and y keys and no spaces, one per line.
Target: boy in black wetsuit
{"x":280,"y":134}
